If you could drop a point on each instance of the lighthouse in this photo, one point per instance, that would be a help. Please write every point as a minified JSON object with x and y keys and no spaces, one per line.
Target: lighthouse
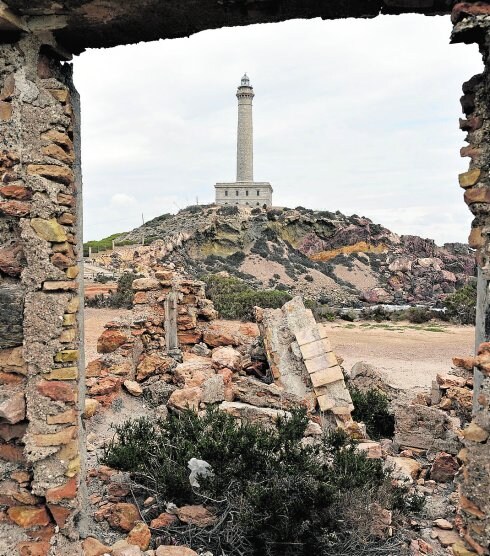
{"x":245,"y":191}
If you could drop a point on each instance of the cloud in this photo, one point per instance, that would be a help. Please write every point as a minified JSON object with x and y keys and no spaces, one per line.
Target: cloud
{"x":122,"y":199}
{"x":353,"y":115}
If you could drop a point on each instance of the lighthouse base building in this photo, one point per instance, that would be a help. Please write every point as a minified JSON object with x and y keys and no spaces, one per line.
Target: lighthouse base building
{"x":249,"y":193}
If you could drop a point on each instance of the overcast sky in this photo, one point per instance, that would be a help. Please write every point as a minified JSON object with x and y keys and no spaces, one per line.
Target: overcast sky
{"x":359,"y":116}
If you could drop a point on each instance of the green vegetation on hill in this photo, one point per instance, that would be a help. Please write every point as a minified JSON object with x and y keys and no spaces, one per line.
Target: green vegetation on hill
{"x":101,"y":244}
{"x":235,"y":299}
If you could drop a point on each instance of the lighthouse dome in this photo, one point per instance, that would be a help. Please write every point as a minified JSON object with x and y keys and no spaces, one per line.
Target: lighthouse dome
{"x":245,"y":80}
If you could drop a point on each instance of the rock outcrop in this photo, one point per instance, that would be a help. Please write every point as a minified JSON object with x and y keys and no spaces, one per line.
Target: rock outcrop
{"x":319,"y":254}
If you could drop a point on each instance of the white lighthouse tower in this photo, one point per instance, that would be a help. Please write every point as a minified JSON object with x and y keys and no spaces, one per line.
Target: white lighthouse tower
{"x":245,"y":191}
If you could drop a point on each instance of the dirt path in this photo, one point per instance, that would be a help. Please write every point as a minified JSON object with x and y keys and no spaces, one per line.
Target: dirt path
{"x":411,"y":357}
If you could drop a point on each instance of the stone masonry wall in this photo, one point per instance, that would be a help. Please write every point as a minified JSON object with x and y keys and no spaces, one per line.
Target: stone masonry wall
{"x":39,"y":302}
{"x":472,"y":24}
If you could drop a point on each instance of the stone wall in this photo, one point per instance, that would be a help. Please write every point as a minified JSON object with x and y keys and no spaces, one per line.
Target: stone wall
{"x":472,"y":24}
{"x":40,"y":334}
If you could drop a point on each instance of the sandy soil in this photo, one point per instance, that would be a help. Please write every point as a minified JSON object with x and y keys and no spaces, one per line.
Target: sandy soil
{"x":94,"y":326}
{"x":410,"y":358}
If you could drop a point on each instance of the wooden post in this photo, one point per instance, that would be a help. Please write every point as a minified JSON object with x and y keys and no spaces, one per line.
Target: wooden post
{"x":171,"y":337}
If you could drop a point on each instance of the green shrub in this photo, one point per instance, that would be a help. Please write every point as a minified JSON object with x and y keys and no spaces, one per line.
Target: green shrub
{"x":122,"y":298}
{"x":237,"y":258}
{"x":371,"y":407}
{"x":273,"y":494}
{"x":234,"y":299}
{"x":461,"y":305}
{"x":418,"y":315}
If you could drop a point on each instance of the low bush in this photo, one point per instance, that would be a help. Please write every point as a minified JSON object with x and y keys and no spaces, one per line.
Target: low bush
{"x":273,"y":494}
{"x":234,"y":299}
{"x":371,"y":408}
{"x":122,"y":298}
{"x":461,"y":305}
{"x":419,"y":315}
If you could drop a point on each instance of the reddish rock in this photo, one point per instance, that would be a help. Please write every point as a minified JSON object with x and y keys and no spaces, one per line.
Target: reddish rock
{"x":189,"y":337}
{"x":92,"y":547}
{"x":196,"y":515}
{"x":94,"y":368}
{"x":29,"y":516}
{"x":105,"y":386}
{"x":11,"y":260}
{"x":446,"y":381}
{"x":186,"y":398}
{"x":68,"y":491}
{"x":471,"y":124}
{"x":14,"y":454}
{"x":123,"y":516}
{"x":215,"y":336}
{"x":10,"y":432}
{"x":477,"y":195}
{"x":15,"y":208}
{"x":140,"y":298}
{"x":194,"y":371}
{"x":34,"y":548}
{"x":163,"y":520}
{"x":227,"y":357}
{"x":175,"y":551}
{"x":466,"y":9}
{"x":10,"y":379}
{"x":470,"y":151}
{"x":376,"y":295}
{"x":61,"y":261}
{"x":140,"y":535}
{"x":110,"y":340}
{"x":466,"y":363}
{"x":444,"y":468}
{"x":60,"y":514}
{"x":12,"y":407}
{"x":154,"y":364}
{"x":57,"y":390}
{"x":17,"y":192}
{"x":66,"y":200}
{"x":67,"y":219}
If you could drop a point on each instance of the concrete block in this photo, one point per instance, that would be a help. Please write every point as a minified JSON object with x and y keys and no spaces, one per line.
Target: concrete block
{"x":326,"y":376}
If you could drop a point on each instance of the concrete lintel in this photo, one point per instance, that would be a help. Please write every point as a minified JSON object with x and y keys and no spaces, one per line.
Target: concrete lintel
{"x":9,"y":21}
{"x":46,"y":23}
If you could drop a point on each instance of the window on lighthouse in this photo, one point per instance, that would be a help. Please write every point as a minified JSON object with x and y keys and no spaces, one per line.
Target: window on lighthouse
{"x":247,"y":193}
{"x":258,"y":193}
{"x":226,"y":193}
{"x":237,"y":193}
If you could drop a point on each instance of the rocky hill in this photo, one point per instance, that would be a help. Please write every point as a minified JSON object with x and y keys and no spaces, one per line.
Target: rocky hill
{"x":336,"y":259}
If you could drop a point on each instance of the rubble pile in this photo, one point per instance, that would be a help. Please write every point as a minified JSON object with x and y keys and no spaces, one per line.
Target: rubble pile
{"x":176,"y":354}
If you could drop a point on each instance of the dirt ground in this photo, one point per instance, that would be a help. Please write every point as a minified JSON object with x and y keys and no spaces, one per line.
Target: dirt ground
{"x":94,"y":326}
{"x":410,"y":355}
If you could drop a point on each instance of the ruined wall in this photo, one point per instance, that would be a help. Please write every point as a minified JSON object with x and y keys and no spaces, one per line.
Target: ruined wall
{"x":472,"y":24}
{"x":39,"y":302}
